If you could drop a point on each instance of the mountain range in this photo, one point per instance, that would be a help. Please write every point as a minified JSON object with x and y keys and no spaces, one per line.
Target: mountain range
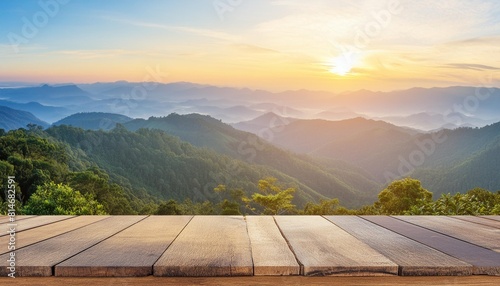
{"x":446,"y":161}
{"x":426,"y":109}
{"x":93,"y":120}
{"x":349,"y":159}
{"x":347,"y":146}
{"x":14,"y":119}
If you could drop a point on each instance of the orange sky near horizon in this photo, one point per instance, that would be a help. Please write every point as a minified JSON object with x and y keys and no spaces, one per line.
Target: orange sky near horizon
{"x":273,"y":45}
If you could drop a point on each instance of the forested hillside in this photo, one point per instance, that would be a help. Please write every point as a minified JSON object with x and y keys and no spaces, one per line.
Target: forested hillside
{"x":68,"y":170}
{"x":350,"y":159}
{"x":94,"y":120}
{"x":468,"y":158}
{"x":137,"y":165}
{"x":14,"y":119}
{"x":36,"y":159}
{"x":335,"y":179}
{"x":445,"y":161}
{"x":165,"y":166}
{"x":140,"y":167}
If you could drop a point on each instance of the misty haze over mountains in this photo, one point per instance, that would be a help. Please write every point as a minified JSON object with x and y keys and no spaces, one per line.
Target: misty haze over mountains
{"x":417,"y":108}
{"x":346,"y":146}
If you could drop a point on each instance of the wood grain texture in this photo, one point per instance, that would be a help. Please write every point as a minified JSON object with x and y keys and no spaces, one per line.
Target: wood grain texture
{"x":6,"y":219}
{"x":477,"y":280}
{"x":484,"y":261}
{"x":34,"y":222}
{"x":479,"y":220}
{"x":131,"y":252}
{"x":38,"y":234}
{"x":38,"y":259}
{"x":209,"y":246}
{"x":413,"y":258}
{"x":270,"y":251}
{"x":481,"y":235}
{"x":325,"y":249}
{"x":492,"y":217}
{"x":224,"y":246}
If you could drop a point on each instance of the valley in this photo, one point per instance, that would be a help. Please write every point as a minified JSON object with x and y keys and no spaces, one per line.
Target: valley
{"x":345,"y":155}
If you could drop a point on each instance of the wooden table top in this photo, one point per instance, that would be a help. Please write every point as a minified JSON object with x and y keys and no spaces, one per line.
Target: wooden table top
{"x":208,"y":246}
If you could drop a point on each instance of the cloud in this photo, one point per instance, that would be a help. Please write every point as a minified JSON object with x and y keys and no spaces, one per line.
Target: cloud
{"x":476,"y":67}
{"x":91,"y":54}
{"x":8,"y":52}
{"x":253,"y":49}
{"x":477,"y":41}
{"x":101,"y":53}
{"x":208,"y":33}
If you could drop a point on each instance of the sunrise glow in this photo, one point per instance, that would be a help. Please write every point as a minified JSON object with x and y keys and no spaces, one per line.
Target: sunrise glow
{"x":343,"y":64}
{"x":272,"y":45}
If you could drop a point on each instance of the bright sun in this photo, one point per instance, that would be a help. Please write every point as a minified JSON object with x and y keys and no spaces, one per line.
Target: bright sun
{"x":341,"y":65}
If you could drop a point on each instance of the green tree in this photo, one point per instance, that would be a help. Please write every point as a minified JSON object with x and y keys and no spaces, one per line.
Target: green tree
{"x":95,"y":182}
{"x":169,"y":207}
{"x":367,"y":210}
{"x":485,"y":200}
{"x":475,"y":202}
{"x":59,"y":199}
{"x":274,"y":198}
{"x":400,"y":196}
{"x":33,"y":159}
{"x":229,"y":208}
{"x":189,"y":208}
{"x":325,"y":207}
{"x":148,"y":208}
{"x":232,"y":198}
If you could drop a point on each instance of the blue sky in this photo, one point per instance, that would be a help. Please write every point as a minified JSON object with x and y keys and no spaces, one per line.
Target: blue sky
{"x":275,"y":44}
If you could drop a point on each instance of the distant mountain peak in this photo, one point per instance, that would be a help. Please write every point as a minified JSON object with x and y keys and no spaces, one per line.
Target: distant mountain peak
{"x":13,"y":119}
{"x":94,"y":120}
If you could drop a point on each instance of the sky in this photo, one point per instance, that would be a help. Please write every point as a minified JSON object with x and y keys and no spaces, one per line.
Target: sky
{"x":274,"y":45}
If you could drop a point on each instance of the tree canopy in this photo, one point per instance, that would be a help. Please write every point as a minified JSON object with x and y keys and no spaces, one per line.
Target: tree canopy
{"x":67,"y":170}
{"x":401,"y":195}
{"x":59,"y":199}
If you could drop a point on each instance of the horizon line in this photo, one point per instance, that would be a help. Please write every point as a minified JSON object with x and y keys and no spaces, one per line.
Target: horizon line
{"x":59,"y":84}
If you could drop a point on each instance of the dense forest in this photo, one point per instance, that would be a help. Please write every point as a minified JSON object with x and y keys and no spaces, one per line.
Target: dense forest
{"x":328,"y":178}
{"x":444,"y":160}
{"x":68,"y":170}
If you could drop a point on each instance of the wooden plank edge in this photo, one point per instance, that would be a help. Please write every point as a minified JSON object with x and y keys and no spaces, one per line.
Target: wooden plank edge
{"x":103,"y":271}
{"x":202,"y":271}
{"x":256,"y":280}
{"x":37,"y":271}
{"x":351,"y":271}
{"x":486,"y":270}
{"x":272,"y":270}
{"x":436,"y":270}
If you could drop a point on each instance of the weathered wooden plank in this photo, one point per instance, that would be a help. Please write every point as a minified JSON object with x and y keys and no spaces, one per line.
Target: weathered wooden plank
{"x":481,"y":235}
{"x":475,"y":280}
{"x":413,"y":258}
{"x":31,"y":236}
{"x":325,"y":249}
{"x":34,"y":222}
{"x":484,"y":261}
{"x":39,"y":258}
{"x":209,"y":246}
{"x":6,"y":219}
{"x":131,"y":252}
{"x":270,"y":251}
{"x":478,"y":220}
{"x":493,"y":217}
